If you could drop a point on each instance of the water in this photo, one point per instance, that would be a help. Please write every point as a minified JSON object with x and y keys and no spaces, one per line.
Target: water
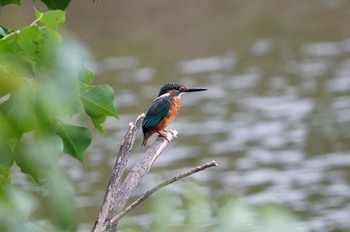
{"x":286,"y":143}
{"x":276,"y":117}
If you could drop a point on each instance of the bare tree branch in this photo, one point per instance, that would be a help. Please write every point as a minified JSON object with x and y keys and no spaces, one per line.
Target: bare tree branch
{"x":119,"y":191}
{"x":109,"y":202}
{"x":141,"y":168}
{"x":161,"y":185}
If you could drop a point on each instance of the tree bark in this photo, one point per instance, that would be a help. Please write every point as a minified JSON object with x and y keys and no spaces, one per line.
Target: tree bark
{"x":119,"y":191}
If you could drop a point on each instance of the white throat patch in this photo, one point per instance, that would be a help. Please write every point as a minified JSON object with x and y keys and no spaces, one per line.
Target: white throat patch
{"x":167,"y":94}
{"x":164,"y":95}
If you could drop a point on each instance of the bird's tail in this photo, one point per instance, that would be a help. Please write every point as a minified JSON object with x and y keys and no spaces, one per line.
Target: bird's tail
{"x":144,"y":141}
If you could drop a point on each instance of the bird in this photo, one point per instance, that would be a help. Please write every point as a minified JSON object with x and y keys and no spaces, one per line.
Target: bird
{"x":164,"y":109}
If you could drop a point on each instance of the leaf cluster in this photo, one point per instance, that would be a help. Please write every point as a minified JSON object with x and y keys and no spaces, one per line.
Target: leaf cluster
{"x":51,"y":4}
{"x":45,"y":86}
{"x":43,"y":83}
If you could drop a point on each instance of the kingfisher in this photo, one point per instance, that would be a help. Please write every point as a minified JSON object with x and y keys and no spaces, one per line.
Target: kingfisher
{"x":164,"y":109}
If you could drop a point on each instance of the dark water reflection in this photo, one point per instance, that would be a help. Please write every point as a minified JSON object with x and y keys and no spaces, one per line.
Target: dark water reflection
{"x":277,"y":138}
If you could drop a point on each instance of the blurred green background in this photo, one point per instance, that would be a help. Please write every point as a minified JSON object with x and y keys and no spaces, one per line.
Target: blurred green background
{"x":276,"y":117}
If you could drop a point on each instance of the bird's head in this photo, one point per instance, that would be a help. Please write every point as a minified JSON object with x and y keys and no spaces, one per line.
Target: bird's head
{"x":175,"y":87}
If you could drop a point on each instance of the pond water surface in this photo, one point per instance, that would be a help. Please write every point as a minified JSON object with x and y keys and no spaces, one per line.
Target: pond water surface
{"x":276,"y":117}
{"x":282,"y":138}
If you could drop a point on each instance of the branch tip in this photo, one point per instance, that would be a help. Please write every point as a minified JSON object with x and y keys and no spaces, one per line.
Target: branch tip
{"x":161,"y":185}
{"x":174,"y":133}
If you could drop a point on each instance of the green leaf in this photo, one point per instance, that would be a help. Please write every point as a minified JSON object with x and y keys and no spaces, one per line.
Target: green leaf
{"x":38,"y":156}
{"x":98,"y":101}
{"x":20,"y":111}
{"x":6,"y":2}
{"x":9,"y":45}
{"x":2,"y":32}
{"x":76,"y":139}
{"x":56,"y":4}
{"x":98,"y":122}
{"x":53,"y":37}
{"x":62,"y":206}
{"x":86,"y":76}
{"x":4,"y":174}
{"x":6,"y":157}
{"x":16,"y":207}
{"x":52,"y":18}
{"x":30,"y":39}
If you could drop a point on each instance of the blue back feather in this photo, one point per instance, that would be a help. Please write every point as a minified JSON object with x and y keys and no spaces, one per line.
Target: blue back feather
{"x":157,"y":111}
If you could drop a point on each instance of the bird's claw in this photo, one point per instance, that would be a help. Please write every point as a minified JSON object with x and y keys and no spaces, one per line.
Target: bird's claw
{"x":163,"y":135}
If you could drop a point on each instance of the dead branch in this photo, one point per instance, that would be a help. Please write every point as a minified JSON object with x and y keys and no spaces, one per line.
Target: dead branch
{"x":109,"y":203}
{"x":141,"y":168}
{"x":119,"y":191}
{"x":162,"y":185}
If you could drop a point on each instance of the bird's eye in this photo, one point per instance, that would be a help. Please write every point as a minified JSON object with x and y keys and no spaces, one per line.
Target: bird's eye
{"x":182,"y":88}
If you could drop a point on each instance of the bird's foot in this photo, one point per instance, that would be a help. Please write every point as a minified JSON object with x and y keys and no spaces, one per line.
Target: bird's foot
{"x":163,"y":135}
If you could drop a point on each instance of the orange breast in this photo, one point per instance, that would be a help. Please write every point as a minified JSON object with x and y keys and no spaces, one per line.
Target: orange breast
{"x":174,"y":109}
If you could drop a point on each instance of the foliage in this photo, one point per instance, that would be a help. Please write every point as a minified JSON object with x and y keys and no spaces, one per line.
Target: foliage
{"x":201,"y":213}
{"x":51,"y":4}
{"x":44,"y":81}
{"x":44,"y":85}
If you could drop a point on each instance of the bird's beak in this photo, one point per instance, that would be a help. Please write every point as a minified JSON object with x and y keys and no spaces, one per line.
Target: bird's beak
{"x":194,"y":90}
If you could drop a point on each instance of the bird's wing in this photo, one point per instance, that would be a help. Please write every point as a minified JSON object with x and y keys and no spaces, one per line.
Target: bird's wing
{"x":157,"y":111}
